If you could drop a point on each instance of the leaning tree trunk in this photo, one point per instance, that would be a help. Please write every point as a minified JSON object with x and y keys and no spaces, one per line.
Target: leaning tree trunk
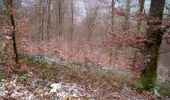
{"x":151,"y":50}
{"x":11,"y":17}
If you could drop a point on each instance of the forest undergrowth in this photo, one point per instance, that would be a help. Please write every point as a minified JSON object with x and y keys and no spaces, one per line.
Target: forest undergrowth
{"x":73,"y":81}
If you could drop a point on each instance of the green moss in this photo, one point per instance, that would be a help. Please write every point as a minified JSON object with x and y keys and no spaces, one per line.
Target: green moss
{"x":44,"y":70}
{"x":164,"y":90}
{"x":25,"y":79}
{"x":2,"y":77}
{"x":148,"y":77}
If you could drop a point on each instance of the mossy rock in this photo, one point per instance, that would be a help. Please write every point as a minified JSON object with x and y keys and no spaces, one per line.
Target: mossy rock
{"x":164,"y":90}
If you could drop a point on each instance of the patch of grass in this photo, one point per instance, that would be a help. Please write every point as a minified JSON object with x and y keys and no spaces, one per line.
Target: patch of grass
{"x":72,"y":73}
{"x":56,"y":71}
{"x":25,"y":79}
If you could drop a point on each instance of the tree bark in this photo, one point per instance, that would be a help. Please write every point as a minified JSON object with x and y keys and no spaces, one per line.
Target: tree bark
{"x":72,"y":26}
{"x":111,"y":60}
{"x":113,"y":7}
{"x":41,"y":12}
{"x":72,"y":17}
{"x":127,"y":21}
{"x":49,"y":20}
{"x":140,"y":11}
{"x":151,"y":50}
{"x":60,"y":17}
{"x":11,"y":16}
{"x":42,"y":22}
{"x":87,"y":16}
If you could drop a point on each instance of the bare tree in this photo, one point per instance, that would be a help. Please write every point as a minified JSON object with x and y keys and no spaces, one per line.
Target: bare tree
{"x":41,"y":12}
{"x":87,"y":15}
{"x":113,"y":7}
{"x":12,"y":21}
{"x":72,"y":18}
{"x":49,"y":20}
{"x":151,"y":52}
{"x":72,"y":25}
{"x":91,"y":16}
{"x":140,"y":11}
{"x":127,"y":21}
{"x":111,"y":54}
{"x":60,"y":16}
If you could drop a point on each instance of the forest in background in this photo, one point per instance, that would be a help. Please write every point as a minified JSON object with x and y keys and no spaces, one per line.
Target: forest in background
{"x":79,"y":29}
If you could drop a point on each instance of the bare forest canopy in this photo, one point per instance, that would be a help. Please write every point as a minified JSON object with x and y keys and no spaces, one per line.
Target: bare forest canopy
{"x":78,"y":29}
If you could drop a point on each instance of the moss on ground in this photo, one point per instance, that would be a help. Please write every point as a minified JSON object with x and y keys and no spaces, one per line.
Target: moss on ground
{"x":82,"y":75}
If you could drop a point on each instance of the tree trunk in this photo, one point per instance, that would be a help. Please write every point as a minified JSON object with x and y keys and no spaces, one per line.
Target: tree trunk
{"x":72,"y":27}
{"x":57,"y":19}
{"x":42,"y":23}
{"x":41,"y":20}
{"x":127,"y":50}
{"x":140,"y":11}
{"x":10,"y":8}
{"x":49,"y":21}
{"x":72,"y":17}
{"x":87,"y":16}
{"x":151,"y":50}
{"x":127,"y":21}
{"x":60,"y":17}
{"x":113,"y":7}
{"x":111,"y":62}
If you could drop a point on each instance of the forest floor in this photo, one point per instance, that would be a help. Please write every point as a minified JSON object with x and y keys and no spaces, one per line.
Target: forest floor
{"x":69,"y":81}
